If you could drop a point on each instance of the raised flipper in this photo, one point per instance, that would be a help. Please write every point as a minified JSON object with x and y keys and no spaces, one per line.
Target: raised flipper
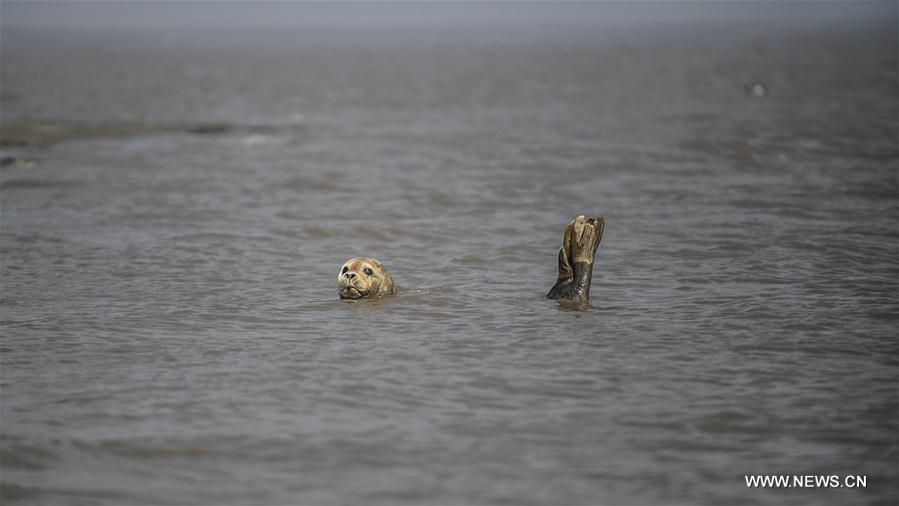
{"x":582,"y":237}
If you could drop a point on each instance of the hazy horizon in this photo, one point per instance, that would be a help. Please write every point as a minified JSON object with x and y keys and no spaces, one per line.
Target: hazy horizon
{"x":175,"y":15}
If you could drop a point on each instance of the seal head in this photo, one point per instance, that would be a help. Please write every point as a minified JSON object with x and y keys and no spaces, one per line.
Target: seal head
{"x":362,"y":278}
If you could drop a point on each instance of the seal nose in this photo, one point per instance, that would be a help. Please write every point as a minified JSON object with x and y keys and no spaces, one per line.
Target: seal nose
{"x":350,"y":275}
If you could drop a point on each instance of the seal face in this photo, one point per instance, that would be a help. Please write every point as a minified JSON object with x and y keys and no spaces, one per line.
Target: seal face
{"x":361,"y":278}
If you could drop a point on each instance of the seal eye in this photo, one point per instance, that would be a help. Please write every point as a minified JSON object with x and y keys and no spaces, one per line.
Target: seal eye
{"x":343,"y":271}
{"x":367,"y":271}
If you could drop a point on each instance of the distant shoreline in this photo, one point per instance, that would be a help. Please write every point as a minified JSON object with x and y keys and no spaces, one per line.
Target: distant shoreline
{"x":34,"y":133}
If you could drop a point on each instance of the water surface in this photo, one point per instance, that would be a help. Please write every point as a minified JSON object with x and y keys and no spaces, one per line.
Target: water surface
{"x":171,"y":332}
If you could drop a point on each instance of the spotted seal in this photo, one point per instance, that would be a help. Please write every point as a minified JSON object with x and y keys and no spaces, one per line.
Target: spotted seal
{"x":362,"y":278}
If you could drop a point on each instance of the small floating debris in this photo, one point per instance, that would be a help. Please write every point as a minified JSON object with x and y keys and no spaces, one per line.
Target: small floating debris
{"x":755,"y":90}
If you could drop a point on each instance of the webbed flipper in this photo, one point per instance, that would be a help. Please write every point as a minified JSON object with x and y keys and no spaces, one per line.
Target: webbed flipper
{"x":582,"y":237}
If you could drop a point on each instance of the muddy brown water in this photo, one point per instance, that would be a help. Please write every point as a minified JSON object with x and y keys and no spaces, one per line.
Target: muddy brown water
{"x":171,"y":332}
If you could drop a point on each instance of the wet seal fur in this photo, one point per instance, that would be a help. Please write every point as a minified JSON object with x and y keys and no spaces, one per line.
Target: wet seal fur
{"x":364,"y":278}
{"x":582,"y":237}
